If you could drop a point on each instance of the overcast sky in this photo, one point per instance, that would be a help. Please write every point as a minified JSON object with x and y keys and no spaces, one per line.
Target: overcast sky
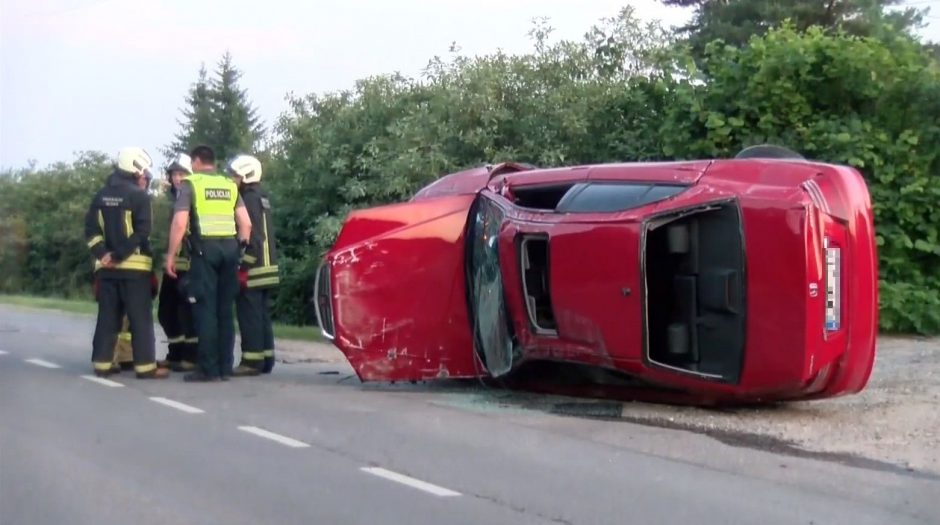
{"x":101,"y":74}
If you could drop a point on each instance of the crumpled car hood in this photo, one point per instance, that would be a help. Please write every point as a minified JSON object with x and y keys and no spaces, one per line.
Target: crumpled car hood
{"x":400,"y":300}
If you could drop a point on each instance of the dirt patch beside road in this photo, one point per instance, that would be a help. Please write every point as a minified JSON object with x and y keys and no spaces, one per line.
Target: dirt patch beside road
{"x":290,"y":351}
{"x":896,"y":419}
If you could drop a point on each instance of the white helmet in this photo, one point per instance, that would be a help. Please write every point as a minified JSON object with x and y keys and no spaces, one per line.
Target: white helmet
{"x":181,"y":162}
{"x":134,"y":160}
{"x":247,"y":167}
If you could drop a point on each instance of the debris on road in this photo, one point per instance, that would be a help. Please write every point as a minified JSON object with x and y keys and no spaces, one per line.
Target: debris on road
{"x":896,"y":419}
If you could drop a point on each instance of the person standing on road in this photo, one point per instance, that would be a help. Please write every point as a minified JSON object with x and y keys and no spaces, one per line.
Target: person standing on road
{"x":258,"y":275}
{"x":123,"y":350}
{"x":175,"y":312}
{"x":117,"y":231}
{"x":220,"y":227}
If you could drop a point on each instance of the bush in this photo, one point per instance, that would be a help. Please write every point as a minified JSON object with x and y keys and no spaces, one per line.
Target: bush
{"x":44,"y":212}
{"x":863,"y":102}
{"x":625,"y":92}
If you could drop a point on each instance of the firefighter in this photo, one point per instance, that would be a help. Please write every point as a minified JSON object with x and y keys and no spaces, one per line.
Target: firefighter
{"x":123,"y":353}
{"x":258,"y":275}
{"x":220,"y":230}
{"x":175,"y":312}
{"x":123,"y":349}
{"x":117,"y":231}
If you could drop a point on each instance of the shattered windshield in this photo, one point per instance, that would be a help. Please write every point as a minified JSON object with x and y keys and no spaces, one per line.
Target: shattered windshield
{"x":488,"y":308}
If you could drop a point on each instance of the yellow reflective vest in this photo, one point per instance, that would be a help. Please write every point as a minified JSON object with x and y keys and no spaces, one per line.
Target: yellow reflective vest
{"x":214,"y":200}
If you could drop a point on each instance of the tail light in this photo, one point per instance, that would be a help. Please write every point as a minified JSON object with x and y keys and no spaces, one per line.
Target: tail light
{"x":816,"y":195}
{"x":831,"y":253}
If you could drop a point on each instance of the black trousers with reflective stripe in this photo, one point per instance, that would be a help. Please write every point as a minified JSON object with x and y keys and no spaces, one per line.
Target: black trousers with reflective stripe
{"x":176,"y":318}
{"x":117,"y":297}
{"x":254,"y":323}
{"x":214,"y":283}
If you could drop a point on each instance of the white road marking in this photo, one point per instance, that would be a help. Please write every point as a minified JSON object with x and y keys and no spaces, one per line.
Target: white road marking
{"x":284,"y":440}
{"x":177,"y":405}
{"x":4,"y":352}
{"x":103,"y":381}
{"x":411,"y":482}
{"x":42,"y":363}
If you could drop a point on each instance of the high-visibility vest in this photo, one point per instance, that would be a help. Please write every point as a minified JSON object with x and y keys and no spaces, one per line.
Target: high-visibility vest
{"x":214,"y":199}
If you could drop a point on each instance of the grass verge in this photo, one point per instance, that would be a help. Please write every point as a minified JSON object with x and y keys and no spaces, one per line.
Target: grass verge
{"x":79,"y":306}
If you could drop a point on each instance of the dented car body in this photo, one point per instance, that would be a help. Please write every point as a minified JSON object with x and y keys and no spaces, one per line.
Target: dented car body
{"x":748,"y":280}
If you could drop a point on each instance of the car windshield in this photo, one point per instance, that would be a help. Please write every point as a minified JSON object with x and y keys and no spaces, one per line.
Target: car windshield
{"x":491,"y":328}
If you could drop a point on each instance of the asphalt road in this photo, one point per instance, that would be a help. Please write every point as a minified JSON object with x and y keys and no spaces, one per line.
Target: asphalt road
{"x":309,"y":444}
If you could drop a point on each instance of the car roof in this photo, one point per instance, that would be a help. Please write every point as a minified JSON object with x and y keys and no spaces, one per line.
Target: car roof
{"x":684,"y":171}
{"x":687,"y":172}
{"x":657,"y":172}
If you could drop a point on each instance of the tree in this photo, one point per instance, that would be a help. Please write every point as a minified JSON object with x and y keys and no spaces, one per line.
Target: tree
{"x":42,"y":247}
{"x":237,"y":126}
{"x":735,"y":21}
{"x":864,"y":102}
{"x":218,"y":112}
{"x":622,"y":93}
{"x":934,"y":49}
{"x":566,"y":102}
{"x":198,"y":125}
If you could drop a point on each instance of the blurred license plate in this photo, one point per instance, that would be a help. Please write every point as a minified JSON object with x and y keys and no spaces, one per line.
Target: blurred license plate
{"x":833,"y":287}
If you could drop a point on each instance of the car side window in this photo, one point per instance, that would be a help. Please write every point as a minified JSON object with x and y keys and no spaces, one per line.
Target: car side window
{"x":603,"y":197}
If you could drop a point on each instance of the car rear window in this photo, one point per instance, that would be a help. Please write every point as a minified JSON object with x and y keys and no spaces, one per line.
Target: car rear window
{"x":600,"y":197}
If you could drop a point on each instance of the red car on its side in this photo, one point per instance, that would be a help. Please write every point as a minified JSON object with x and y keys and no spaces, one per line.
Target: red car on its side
{"x":746,"y":279}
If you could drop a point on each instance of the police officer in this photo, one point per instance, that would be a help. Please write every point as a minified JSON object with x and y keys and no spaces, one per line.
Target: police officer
{"x":117,"y":231}
{"x":258,"y":275}
{"x":220,"y":230}
{"x":175,"y":311}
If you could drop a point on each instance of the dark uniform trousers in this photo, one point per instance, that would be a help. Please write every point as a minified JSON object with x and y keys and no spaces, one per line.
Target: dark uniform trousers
{"x":129,"y":295}
{"x":214,"y":284}
{"x":260,"y":279}
{"x":254,"y":322}
{"x":175,"y":314}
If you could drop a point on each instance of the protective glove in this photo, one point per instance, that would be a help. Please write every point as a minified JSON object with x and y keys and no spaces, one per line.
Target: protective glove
{"x":154,"y":285}
{"x":243,"y":278}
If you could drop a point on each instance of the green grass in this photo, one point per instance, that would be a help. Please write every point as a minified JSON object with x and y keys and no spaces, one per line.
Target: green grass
{"x":297,"y":333}
{"x":79,"y":306}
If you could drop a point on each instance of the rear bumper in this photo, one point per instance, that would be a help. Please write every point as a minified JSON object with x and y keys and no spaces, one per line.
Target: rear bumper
{"x":849,"y":206}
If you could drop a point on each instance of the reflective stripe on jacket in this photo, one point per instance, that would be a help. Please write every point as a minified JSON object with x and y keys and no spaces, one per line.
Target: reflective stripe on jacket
{"x":260,"y":257}
{"x":118,"y":222}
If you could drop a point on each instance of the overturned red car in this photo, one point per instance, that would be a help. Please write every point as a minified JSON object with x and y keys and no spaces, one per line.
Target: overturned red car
{"x":751,"y":279}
